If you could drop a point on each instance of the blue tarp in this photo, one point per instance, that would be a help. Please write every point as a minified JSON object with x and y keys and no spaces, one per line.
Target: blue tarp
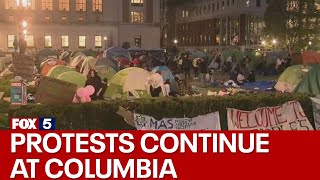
{"x":263,"y":85}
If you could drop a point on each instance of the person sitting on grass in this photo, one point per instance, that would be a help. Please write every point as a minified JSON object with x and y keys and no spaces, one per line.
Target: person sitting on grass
{"x":94,"y":80}
{"x":252,"y":77}
{"x":240,"y":79}
{"x":167,"y":88}
{"x":104,"y":86}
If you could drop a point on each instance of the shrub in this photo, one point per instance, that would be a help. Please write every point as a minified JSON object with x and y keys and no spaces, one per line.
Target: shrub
{"x":101,"y":115}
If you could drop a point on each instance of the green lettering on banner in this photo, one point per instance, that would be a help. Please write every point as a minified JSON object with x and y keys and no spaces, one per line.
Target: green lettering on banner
{"x":54,"y":91}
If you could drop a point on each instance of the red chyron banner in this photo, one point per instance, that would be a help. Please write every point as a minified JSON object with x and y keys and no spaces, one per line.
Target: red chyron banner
{"x":162,"y":155}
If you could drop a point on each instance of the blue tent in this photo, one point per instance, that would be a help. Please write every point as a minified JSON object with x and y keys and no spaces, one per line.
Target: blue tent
{"x":165,"y":72}
{"x":115,"y":52}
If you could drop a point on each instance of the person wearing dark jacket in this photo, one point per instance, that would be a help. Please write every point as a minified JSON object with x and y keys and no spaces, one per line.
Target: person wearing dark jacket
{"x":94,"y":80}
{"x":203,"y":71}
{"x":252,"y":77}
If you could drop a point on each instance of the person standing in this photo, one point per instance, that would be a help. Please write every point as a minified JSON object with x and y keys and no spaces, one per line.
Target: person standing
{"x":195,"y":68}
{"x":94,"y":80}
{"x":186,"y":65}
{"x":203,"y":71}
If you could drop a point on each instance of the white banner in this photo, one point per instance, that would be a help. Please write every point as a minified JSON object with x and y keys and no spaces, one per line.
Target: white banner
{"x":206,"y":122}
{"x":316,"y":112}
{"x":289,"y":116}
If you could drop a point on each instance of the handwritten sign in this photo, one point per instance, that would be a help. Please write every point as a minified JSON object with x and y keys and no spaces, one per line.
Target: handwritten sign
{"x":54,"y":91}
{"x":23,"y":66}
{"x":316,"y":112}
{"x":206,"y":122}
{"x":289,"y":116}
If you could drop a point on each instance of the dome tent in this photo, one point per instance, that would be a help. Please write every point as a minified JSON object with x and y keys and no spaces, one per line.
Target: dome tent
{"x":73,"y":77}
{"x":131,"y":80}
{"x":114,"y":52}
{"x":105,"y":72}
{"x":49,"y":63}
{"x":295,"y":79}
{"x":165,"y":73}
{"x":57,"y":70}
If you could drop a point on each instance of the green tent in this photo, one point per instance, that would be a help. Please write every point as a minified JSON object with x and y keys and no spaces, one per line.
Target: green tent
{"x":57,"y":70}
{"x":105,"y":72}
{"x":298,"y":79}
{"x":311,"y":82}
{"x":73,"y":77}
{"x":128,"y":81}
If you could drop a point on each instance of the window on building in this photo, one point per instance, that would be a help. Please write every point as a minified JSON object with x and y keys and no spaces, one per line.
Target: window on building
{"x":47,"y":19}
{"x":137,"y":40}
{"x":64,"y":19}
{"x":11,"y":41}
{"x":30,"y":40}
{"x":137,"y":3}
{"x":137,"y":16}
{"x":258,"y":3}
{"x":29,"y":4}
{"x":248,"y":3}
{"x":65,"y":41}
{"x":47,"y":41}
{"x":64,"y":5}
{"x":81,"y":5}
{"x":82,"y":41}
{"x":47,"y":5}
{"x":98,"y":41}
{"x":10,"y":4}
{"x":97,"y":5}
{"x":11,"y":19}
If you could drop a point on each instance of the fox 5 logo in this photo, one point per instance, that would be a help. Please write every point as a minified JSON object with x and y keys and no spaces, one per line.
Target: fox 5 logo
{"x":33,"y":123}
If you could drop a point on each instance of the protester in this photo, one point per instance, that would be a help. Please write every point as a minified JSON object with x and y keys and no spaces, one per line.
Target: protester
{"x":155,"y":84}
{"x":203,"y":71}
{"x":94,"y":80}
{"x":104,"y":86}
{"x":252,"y":77}
{"x":174,"y":86}
{"x":195,"y":68}
{"x":136,"y":62}
{"x":167,"y":88}
{"x":240,"y":78}
{"x":186,"y":65}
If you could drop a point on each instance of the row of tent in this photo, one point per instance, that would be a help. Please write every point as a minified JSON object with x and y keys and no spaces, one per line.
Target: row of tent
{"x":122,"y":82}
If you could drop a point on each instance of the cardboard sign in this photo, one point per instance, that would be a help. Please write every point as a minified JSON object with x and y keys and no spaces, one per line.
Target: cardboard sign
{"x":23,"y":66}
{"x":54,"y":91}
{"x":206,"y":122}
{"x":289,"y":116}
{"x":316,"y":112}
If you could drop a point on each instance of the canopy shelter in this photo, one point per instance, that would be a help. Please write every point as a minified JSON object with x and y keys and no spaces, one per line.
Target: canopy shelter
{"x":300,"y":79}
{"x":165,"y":73}
{"x":115,"y":52}
{"x":128,"y":82}
{"x":49,"y":63}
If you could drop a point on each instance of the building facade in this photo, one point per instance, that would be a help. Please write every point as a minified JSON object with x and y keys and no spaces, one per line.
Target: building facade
{"x":208,"y":24}
{"x":80,"y":24}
